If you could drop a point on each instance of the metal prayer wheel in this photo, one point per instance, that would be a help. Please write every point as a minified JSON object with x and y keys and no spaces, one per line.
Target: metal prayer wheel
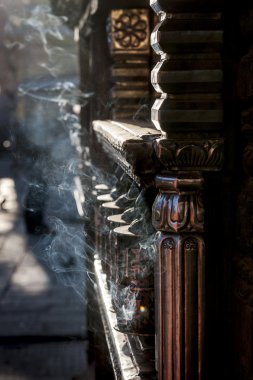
{"x":133,"y":288}
{"x":114,"y":222}
{"x":107,"y":209}
{"x":98,"y":219}
{"x":102,"y":188}
{"x":136,"y":310}
{"x":105,"y":194}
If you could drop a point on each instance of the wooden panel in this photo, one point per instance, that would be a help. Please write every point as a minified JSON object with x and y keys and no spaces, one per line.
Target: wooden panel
{"x":128,"y":36}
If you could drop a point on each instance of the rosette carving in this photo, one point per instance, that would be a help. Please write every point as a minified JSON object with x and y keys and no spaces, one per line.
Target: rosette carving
{"x":130,"y":30}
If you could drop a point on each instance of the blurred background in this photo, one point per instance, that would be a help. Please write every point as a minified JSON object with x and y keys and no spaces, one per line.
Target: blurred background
{"x":42,"y":270}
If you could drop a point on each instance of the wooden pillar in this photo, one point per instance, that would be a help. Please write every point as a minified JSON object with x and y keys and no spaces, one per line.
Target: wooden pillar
{"x":189,"y":112}
{"x":178,"y":215}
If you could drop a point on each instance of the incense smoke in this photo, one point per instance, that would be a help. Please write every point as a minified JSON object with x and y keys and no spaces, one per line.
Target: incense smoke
{"x":46,"y":138}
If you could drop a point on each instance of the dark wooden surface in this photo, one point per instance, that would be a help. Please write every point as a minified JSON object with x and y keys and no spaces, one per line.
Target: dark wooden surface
{"x":131,"y":146}
{"x":212,"y":83}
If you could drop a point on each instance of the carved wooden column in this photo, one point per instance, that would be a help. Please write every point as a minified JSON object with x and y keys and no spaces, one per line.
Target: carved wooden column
{"x":178,"y":213}
{"x":189,"y":112}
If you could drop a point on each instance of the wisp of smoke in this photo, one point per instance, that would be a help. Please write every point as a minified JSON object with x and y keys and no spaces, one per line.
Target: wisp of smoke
{"x":47,"y":138}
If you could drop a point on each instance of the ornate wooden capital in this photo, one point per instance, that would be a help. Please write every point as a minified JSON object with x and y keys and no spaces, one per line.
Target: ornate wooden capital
{"x":178,"y":207}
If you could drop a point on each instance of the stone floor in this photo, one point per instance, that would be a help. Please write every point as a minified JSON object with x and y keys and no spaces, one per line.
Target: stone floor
{"x":42,"y":321}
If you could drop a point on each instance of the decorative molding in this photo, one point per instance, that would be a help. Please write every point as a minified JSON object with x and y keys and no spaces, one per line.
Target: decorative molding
{"x":188,"y":32}
{"x":188,"y":113}
{"x":189,"y":75}
{"x":178,"y":212}
{"x":203,"y":154}
{"x":168,"y":244}
{"x":190,"y":246}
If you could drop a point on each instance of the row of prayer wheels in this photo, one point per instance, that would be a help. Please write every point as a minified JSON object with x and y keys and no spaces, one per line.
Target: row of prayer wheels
{"x":123,"y":242}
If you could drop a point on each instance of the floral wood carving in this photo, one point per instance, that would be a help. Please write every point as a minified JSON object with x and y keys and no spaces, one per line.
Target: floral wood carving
{"x":178,"y":212}
{"x":201,"y":155}
{"x":130,"y":30}
{"x":168,"y":244}
{"x":190,"y":245}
